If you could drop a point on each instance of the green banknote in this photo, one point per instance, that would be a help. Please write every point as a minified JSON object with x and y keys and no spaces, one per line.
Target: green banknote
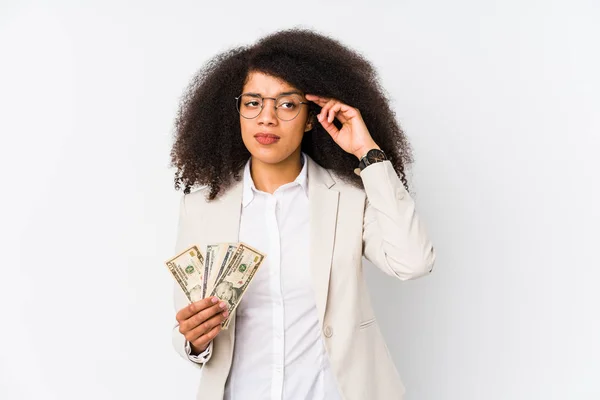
{"x":188,"y":270}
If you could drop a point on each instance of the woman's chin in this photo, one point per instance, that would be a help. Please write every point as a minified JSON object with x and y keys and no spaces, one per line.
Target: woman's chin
{"x":270,"y":155}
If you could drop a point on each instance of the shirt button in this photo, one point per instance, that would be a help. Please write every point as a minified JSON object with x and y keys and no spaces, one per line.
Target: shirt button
{"x":328,"y":331}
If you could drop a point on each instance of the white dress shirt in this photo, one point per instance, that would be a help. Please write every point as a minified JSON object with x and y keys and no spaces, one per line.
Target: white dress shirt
{"x":279,"y":353}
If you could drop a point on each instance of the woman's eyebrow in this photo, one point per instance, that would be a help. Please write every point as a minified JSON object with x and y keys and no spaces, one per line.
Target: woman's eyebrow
{"x":280,"y":94}
{"x":291,"y":92}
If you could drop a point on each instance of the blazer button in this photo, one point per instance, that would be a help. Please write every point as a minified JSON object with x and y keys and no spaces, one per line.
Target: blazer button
{"x":399,"y":193}
{"x":328,"y":331}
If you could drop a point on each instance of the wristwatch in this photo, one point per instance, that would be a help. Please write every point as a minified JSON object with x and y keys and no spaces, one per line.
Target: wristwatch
{"x":373,"y":156}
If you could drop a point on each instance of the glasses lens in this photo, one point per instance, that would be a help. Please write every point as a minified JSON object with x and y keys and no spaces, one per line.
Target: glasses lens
{"x":249,"y":106}
{"x":288,"y":107}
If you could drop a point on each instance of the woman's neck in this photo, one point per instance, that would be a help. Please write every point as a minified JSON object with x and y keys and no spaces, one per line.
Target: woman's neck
{"x":268,"y":177}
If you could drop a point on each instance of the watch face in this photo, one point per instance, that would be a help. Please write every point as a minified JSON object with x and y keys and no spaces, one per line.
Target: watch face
{"x":375,"y":155}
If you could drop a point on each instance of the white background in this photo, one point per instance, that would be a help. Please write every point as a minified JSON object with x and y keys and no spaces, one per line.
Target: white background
{"x":499,"y":98}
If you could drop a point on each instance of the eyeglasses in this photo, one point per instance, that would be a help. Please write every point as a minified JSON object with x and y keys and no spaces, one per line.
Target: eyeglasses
{"x":287,"y":106}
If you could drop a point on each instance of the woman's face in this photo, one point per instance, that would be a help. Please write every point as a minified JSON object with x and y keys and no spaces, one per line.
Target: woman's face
{"x":268,"y":138}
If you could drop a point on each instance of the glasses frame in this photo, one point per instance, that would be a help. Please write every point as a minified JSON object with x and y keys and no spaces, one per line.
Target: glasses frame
{"x":262,"y":105}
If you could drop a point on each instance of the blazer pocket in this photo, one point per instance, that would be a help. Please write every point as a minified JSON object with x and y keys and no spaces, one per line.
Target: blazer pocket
{"x":367,"y":323}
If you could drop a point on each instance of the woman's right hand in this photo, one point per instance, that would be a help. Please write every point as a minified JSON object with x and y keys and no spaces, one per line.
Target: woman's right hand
{"x":200,"y":322}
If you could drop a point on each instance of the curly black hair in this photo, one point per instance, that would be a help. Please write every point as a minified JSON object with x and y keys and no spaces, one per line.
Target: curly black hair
{"x":309,"y":61}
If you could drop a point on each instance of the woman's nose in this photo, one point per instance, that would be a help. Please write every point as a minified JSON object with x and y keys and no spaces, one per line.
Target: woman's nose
{"x":268,"y":114}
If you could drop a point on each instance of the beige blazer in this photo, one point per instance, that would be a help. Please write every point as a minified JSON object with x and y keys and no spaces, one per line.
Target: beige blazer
{"x":346,"y":223}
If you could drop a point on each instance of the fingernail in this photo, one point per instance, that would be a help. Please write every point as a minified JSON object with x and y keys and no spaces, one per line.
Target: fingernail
{"x":222,"y":304}
{"x":319,"y":117}
{"x":214,"y":300}
{"x":225,"y":314}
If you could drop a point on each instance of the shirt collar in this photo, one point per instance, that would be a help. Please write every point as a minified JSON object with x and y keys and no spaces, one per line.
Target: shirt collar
{"x":250,"y":189}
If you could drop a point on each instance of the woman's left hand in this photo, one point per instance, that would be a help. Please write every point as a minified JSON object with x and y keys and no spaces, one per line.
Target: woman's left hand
{"x":353,"y":137}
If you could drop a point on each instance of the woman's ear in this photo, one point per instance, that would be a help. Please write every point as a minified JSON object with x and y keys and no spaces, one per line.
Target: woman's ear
{"x":309,"y":122}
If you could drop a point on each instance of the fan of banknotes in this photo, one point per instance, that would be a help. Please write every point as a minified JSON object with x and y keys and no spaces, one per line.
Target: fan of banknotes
{"x":225,"y":272}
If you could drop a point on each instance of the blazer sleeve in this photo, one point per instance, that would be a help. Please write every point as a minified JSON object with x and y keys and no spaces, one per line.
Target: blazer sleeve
{"x":180,"y":344}
{"x":394,"y":238}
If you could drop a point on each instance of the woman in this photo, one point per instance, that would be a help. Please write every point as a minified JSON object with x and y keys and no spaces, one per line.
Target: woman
{"x":298,"y":155}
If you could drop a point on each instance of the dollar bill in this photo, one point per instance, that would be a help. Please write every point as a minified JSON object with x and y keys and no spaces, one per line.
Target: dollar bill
{"x":212,"y":255}
{"x":212,"y":252}
{"x":237,"y":275}
{"x":188,"y":270}
{"x":224,"y":253}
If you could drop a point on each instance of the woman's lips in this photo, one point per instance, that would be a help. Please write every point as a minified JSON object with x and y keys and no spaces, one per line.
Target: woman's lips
{"x":266,"y":138}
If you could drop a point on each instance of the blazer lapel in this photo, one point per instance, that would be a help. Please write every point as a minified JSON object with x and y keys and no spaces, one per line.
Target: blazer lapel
{"x":323,"y":210}
{"x":221,"y":222}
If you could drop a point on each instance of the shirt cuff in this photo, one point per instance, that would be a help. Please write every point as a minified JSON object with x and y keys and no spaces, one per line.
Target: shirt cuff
{"x":200,"y":358}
